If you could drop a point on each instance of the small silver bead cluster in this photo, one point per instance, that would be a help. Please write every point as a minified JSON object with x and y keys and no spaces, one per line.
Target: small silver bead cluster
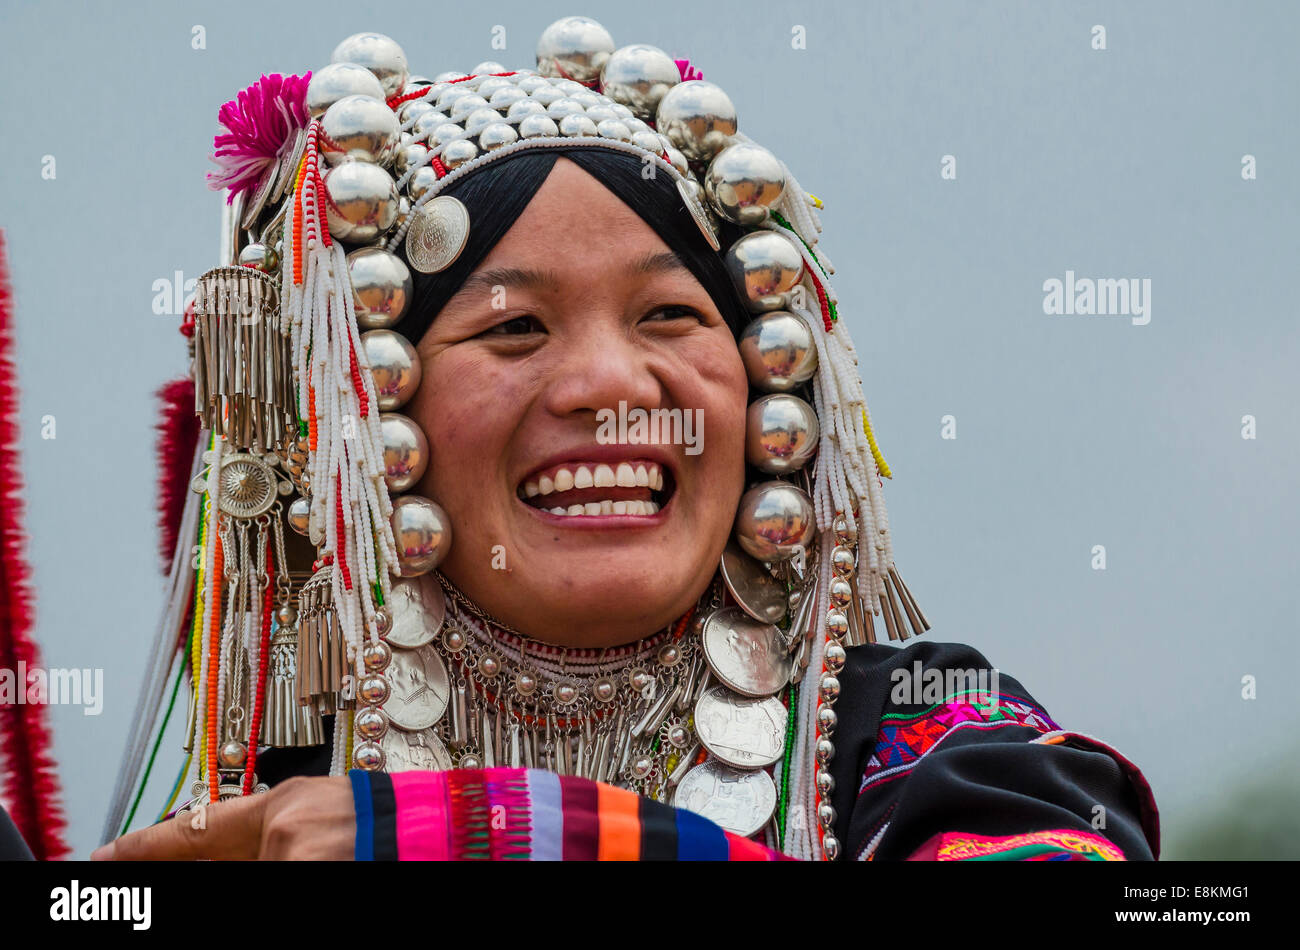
{"x":841,"y":594}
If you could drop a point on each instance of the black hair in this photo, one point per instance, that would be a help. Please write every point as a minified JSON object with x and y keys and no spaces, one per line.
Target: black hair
{"x":497,"y":195}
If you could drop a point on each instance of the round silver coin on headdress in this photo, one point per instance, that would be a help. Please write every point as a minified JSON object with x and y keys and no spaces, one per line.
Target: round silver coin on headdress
{"x":745,"y":654}
{"x":738,"y":801}
{"x":437,"y":235}
{"x":747,"y":733}
{"x":419,"y":688}
{"x":418,"y":609}
{"x":409,"y":751}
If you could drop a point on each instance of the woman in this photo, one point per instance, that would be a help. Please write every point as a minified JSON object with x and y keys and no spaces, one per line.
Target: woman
{"x":594,"y":301}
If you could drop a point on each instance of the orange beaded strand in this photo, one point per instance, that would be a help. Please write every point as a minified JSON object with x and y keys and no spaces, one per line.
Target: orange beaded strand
{"x":214,"y":659}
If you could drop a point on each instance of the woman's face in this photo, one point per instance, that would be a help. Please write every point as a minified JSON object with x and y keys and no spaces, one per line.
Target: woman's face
{"x":581,"y":307}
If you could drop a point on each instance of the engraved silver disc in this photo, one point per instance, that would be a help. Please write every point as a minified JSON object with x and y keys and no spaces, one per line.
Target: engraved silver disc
{"x":755,"y":590}
{"x":248,"y":486}
{"x":419,"y":688}
{"x":437,"y":235}
{"x":737,"y":801}
{"x":747,"y":733}
{"x":745,"y":654}
{"x":697,"y":212}
{"x":418,"y":609}
{"x":408,"y":751}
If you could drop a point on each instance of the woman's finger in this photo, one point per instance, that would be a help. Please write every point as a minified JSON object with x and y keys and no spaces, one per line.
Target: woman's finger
{"x":226,"y":831}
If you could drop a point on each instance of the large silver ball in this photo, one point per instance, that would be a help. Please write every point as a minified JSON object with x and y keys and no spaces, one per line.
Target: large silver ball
{"x":406,"y":451}
{"x":781,"y":433}
{"x":394,"y":365}
{"x":363,"y":201}
{"x":331,"y":83}
{"x":576,"y":47}
{"x":299,"y":515}
{"x":423,"y":534}
{"x":775,"y":521}
{"x":698,"y":117}
{"x":743,"y":182}
{"x":638,"y":76}
{"x":378,"y":53}
{"x":381,"y":287}
{"x":259,"y":257}
{"x":778,"y":351}
{"x":359,"y":128}
{"x":765,"y":266}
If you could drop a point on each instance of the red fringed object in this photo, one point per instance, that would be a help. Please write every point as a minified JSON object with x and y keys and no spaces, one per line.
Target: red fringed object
{"x":30,"y":783}
{"x":178,"y":432}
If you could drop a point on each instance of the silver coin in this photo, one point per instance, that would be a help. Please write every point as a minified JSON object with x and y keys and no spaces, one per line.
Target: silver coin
{"x":737,"y":801}
{"x":418,"y":609}
{"x":747,"y":733}
{"x":755,"y":590}
{"x":745,"y":654}
{"x":693,"y":205}
{"x":418,"y":688}
{"x":437,"y":235}
{"x":408,"y":751}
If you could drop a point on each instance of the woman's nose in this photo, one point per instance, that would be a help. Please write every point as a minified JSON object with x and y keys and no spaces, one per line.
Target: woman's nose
{"x":598,"y":370}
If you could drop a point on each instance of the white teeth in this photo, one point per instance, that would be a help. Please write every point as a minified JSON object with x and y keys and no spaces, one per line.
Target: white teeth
{"x":591,"y":508}
{"x":651,"y":508}
{"x":558,"y":511}
{"x":626,"y":477}
{"x":620,"y":507}
{"x":604,"y":476}
{"x":582,"y":478}
{"x":563,"y":480}
{"x":530,"y":489}
{"x":577,"y":510}
{"x":642,"y":479}
{"x":606,"y":507}
{"x":656,"y":478}
{"x":545,"y":486}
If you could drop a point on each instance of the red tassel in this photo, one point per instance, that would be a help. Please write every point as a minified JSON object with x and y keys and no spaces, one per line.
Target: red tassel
{"x":178,"y":432}
{"x":31,"y":786}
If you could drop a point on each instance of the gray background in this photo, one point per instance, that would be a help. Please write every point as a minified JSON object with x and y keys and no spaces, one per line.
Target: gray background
{"x":1072,"y":430}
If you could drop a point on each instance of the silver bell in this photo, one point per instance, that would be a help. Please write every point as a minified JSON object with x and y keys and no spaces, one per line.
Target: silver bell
{"x":778,"y":351}
{"x":743,"y":182}
{"x":259,"y":257}
{"x":576,"y":47}
{"x":781,"y":433}
{"x":775,"y":521}
{"x":639,"y":76}
{"x":406,"y":451}
{"x":381,"y":287}
{"x":698,"y":117}
{"x":394,"y":365}
{"x":764,"y":266}
{"x":378,"y":53}
{"x":331,"y":83}
{"x":422,"y":531}
{"x":359,"y":128}
{"x":363,"y":201}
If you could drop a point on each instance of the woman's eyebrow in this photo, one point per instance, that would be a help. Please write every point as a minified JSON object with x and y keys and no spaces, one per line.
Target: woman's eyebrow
{"x":654,"y":262}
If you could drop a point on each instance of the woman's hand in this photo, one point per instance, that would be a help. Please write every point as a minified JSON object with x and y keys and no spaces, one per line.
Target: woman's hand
{"x":300,"y":819}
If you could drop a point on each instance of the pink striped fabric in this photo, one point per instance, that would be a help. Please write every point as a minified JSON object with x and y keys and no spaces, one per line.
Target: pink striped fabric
{"x":421,"y":799}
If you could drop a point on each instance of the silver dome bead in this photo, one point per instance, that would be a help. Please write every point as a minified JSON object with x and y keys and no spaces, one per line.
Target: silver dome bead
{"x":445,"y":133}
{"x":373,"y":690}
{"x":497,"y":135}
{"x":648,"y":141}
{"x":781,"y":433}
{"x":563,"y":106}
{"x":835,"y":657}
{"x":743,"y":182}
{"x":457,"y":153}
{"x":530,"y":84}
{"x":575,"y":125}
{"x":599,"y":114}
{"x":775,"y":521}
{"x":825,"y":783}
{"x":331,"y":83}
{"x":425,"y":177}
{"x":524,"y":107}
{"x":778,"y":351}
{"x":370,"y":722}
{"x":829,"y":688}
{"x":841,"y":592}
{"x":826,"y":815}
{"x":842,"y":562}
{"x":466,"y":104}
{"x":825,"y":751}
{"x":487,"y":67}
{"x":423,"y":534}
{"x":576,"y":47}
{"x":507,"y":96}
{"x":489,"y":87}
{"x":363,"y":202}
{"x":480,"y":119}
{"x":764,"y":266}
{"x":830,"y":847}
{"x":409,"y":156}
{"x":538,"y":126}
{"x":613,"y":129}
{"x":376,"y":655}
{"x":837,"y":624}
{"x":368,"y":756}
{"x":405,"y":451}
{"x":378,"y":53}
{"x":394,"y":366}
{"x":698,"y":117}
{"x":381,"y":287}
{"x":299,"y":516}
{"x":827,"y":720}
{"x":428,"y":123}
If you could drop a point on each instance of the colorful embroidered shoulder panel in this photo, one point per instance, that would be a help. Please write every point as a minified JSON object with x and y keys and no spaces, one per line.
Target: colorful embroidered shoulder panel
{"x":905,"y":738}
{"x":1050,"y":845}
{"x":528,"y":814}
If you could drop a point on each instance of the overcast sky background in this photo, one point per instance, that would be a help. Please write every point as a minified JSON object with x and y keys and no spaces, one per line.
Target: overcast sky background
{"x":1072,"y":431}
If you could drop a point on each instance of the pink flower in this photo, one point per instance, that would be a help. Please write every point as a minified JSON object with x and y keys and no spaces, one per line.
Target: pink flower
{"x":687,"y":70}
{"x":261,"y":123}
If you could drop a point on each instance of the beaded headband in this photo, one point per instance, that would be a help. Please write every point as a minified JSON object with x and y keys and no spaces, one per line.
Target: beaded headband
{"x":337,"y":184}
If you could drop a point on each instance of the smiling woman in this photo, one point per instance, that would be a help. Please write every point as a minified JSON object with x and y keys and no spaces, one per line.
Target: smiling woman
{"x":519,"y":630}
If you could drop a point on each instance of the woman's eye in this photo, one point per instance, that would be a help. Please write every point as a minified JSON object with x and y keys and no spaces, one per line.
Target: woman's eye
{"x":665,"y":314}
{"x":517,"y":326}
